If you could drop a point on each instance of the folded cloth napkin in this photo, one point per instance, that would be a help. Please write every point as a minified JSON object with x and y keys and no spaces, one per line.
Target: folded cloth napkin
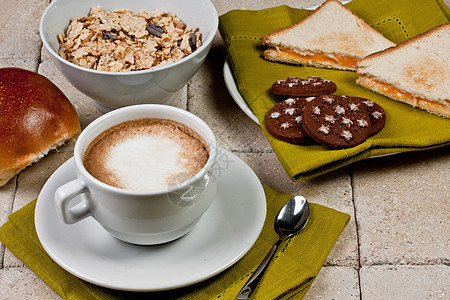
{"x":291,"y":273}
{"x":406,"y":129}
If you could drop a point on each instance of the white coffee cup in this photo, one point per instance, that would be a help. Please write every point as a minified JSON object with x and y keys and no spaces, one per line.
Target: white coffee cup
{"x":139,"y":217}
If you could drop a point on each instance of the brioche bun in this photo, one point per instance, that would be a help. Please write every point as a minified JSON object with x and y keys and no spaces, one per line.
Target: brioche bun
{"x":35,"y":117}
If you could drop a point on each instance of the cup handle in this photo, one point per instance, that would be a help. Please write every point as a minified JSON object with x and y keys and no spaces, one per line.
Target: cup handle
{"x":64,"y":194}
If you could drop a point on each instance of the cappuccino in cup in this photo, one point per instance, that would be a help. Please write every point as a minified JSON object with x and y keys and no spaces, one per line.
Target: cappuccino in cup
{"x":146,"y":154}
{"x":146,"y":173}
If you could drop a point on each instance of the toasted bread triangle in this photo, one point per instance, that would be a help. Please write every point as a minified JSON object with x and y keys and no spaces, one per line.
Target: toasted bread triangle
{"x":333,"y":30}
{"x":417,"y":69}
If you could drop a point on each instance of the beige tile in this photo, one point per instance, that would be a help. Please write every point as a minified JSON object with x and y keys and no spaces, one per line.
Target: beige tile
{"x":32,"y":179}
{"x":39,"y":171}
{"x":209,"y":99}
{"x":7,"y":192}
{"x":335,"y":283}
{"x":405,"y":282}
{"x":180,"y":98}
{"x":23,"y":63}
{"x":19,"y":37}
{"x":11,"y":261}
{"x":29,"y":184}
{"x":22,"y":283}
{"x":332,"y":190}
{"x":402,"y":204}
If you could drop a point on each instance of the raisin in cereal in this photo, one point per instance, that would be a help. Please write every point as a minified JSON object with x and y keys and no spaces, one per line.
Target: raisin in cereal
{"x":121,"y":41}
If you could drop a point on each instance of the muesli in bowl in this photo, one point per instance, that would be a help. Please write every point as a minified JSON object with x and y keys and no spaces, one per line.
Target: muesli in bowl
{"x":121,"y":41}
{"x":139,"y":66}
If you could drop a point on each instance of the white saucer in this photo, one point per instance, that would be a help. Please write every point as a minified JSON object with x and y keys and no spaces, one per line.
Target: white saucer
{"x":234,"y":92}
{"x":223,"y":235}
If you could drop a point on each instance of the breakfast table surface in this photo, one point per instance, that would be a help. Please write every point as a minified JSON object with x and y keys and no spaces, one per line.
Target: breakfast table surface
{"x":396,"y":245}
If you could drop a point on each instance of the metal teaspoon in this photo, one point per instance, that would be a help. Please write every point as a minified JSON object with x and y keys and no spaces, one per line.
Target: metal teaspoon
{"x":291,"y":219}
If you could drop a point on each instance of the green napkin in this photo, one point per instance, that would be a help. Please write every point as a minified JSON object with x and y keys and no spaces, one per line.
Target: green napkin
{"x":406,"y":129}
{"x":291,"y":273}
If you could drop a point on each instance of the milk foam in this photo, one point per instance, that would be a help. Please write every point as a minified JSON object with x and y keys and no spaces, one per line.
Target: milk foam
{"x":145,"y":162}
{"x":146,"y":154}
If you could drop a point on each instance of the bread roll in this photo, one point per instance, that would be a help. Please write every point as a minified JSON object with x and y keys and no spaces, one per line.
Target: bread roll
{"x":35,"y":117}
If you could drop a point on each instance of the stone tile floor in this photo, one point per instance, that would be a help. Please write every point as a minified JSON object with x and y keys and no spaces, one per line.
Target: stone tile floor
{"x":396,"y":245}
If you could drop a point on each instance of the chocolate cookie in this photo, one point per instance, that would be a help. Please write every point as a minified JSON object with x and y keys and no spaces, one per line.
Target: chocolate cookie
{"x":376,"y":114}
{"x":284,"y":120}
{"x":297,"y":87}
{"x":336,"y":121}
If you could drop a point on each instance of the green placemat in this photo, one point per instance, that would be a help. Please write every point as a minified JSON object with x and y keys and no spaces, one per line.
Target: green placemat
{"x":290,"y":274}
{"x":407,"y":128}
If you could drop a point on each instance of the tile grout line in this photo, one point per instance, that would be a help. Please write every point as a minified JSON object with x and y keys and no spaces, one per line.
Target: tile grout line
{"x":357,"y":231}
{"x":10,"y":211}
{"x":39,"y":57}
{"x":188,"y":86}
{"x":2,"y":259}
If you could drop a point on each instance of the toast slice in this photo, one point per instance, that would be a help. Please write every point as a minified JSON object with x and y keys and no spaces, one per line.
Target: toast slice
{"x":416,"y":71}
{"x":330,"y":37}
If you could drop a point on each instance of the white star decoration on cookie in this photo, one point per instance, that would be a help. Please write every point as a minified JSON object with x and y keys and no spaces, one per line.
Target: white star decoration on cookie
{"x":354,"y":107}
{"x":275,"y":115}
{"x":289,"y":101}
{"x":347,"y":121}
{"x":346,"y":135}
{"x":324,"y":129}
{"x":289,"y":111}
{"x":362,"y":123}
{"x":376,"y":115}
{"x":369,"y":103}
{"x":330,"y":119}
{"x":339,"y":110}
{"x":316,"y":110}
{"x":329,"y":100}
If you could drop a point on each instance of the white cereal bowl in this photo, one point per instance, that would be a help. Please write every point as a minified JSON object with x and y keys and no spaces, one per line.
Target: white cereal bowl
{"x":111,"y":90}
